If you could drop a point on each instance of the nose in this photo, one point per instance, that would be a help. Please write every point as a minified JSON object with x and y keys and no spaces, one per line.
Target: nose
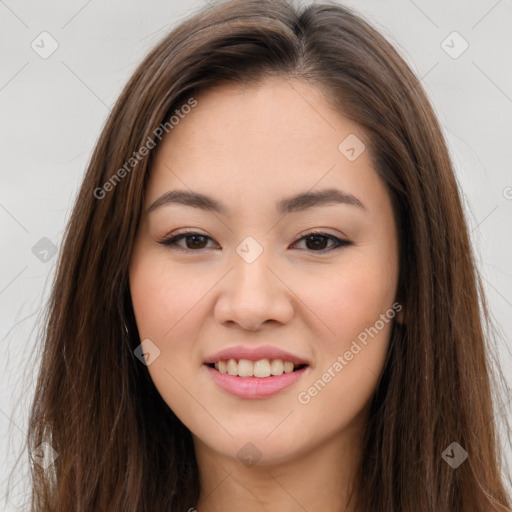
{"x":253,"y":294}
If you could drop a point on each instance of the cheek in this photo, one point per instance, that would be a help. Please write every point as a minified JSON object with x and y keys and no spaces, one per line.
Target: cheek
{"x":353,"y":296}
{"x":350,"y":360}
{"x":166,"y":306}
{"x":356,"y":330}
{"x":161,"y":294}
{"x":356,"y":306}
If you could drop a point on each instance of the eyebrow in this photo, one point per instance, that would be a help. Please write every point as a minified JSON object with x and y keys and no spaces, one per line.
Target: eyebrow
{"x":299,"y":202}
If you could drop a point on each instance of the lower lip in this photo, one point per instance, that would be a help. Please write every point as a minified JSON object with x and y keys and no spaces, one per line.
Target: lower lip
{"x":255,"y":387}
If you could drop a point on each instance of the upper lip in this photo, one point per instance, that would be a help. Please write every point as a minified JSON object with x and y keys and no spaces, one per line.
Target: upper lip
{"x":254,"y":354}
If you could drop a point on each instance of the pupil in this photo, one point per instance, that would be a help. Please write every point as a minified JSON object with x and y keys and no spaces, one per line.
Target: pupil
{"x":315,"y":239}
{"x":195,"y":237}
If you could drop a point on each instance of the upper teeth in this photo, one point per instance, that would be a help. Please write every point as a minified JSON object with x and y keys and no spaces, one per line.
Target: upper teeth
{"x":261,"y":368}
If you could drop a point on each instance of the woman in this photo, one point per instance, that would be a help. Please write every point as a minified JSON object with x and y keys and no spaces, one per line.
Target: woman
{"x":267,"y":295}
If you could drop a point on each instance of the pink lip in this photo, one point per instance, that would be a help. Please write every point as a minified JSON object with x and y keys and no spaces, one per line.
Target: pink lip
{"x":255,"y":387}
{"x":254,"y":354}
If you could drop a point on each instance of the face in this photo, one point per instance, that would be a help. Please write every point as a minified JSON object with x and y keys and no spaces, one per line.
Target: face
{"x":263,"y":272}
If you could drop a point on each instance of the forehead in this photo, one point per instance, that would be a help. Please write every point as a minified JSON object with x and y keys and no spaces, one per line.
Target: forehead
{"x":277,"y":136}
{"x":276,"y":113}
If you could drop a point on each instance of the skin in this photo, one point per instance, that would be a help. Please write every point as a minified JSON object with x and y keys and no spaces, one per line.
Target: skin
{"x":250,"y":147}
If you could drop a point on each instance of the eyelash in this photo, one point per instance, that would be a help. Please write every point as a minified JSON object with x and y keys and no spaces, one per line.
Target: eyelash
{"x":172,"y":241}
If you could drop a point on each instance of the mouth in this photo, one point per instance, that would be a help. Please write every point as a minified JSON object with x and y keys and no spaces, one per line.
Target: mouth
{"x":248,"y":379}
{"x":262,"y":368}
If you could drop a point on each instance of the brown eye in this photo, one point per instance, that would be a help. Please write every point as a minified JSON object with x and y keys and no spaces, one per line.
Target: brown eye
{"x":315,"y":242}
{"x":318,"y":242}
{"x":196,"y":241}
{"x":193,"y":241}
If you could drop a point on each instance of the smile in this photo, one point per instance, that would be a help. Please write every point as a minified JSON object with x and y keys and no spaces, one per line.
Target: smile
{"x":243,"y":383}
{"x":262,"y":368}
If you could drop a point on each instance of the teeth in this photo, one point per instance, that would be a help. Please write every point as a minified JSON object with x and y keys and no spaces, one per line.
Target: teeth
{"x":262,"y":368}
{"x":276,"y":367}
{"x":245,"y":368}
{"x":288,"y":367}
{"x":232,"y":367}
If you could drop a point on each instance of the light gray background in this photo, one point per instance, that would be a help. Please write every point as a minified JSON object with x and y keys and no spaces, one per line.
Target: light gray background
{"x":53,"y":110}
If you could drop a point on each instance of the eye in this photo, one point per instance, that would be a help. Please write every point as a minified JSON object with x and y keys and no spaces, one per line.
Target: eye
{"x":315,"y":241}
{"x":193,"y":241}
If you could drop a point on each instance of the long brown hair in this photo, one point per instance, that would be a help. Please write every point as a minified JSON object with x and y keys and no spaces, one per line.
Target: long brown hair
{"x":119,"y":445}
